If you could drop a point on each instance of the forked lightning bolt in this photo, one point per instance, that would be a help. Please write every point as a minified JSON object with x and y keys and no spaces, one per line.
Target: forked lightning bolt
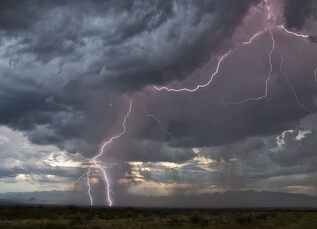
{"x":268,"y":29}
{"x":102,"y":150}
{"x":267,"y":81}
{"x":94,"y":160}
{"x":220,"y":61}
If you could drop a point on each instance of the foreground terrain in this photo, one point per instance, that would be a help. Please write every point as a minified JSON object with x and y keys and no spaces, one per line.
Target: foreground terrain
{"x":75,"y":217}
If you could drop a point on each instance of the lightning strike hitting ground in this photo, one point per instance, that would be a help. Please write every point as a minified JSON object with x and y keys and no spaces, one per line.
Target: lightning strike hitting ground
{"x":107,"y":185}
{"x":89,"y":187}
{"x":94,"y":160}
{"x":268,"y":29}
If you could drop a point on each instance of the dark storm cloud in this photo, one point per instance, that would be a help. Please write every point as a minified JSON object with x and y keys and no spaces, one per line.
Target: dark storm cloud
{"x":65,"y":71}
{"x":296,"y":12}
{"x":149,"y":151}
{"x":129,"y":33}
{"x":201,"y":119}
{"x":67,"y":57}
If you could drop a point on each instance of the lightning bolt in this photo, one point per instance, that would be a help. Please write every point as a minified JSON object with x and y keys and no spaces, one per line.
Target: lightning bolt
{"x":255,"y":36}
{"x":267,"y":81}
{"x":221,"y":59}
{"x":102,"y":149}
{"x":94,"y":160}
{"x":293,"y":33}
{"x":213,"y":75}
{"x":195,"y":89}
{"x":89,"y":187}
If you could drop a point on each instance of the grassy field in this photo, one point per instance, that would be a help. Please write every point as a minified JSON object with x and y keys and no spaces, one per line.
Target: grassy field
{"x":75,"y":217}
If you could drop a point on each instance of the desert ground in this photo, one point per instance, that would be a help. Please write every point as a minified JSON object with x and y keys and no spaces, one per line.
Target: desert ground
{"x":83,"y":217}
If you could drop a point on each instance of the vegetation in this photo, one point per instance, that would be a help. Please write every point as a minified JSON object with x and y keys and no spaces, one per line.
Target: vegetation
{"x":76,"y":217}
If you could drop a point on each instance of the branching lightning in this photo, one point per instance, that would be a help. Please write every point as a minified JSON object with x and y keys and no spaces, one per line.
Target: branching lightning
{"x":102,"y":150}
{"x":268,"y":29}
{"x":94,"y":161}
{"x":267,"y":81}
{"x":195,"y":89}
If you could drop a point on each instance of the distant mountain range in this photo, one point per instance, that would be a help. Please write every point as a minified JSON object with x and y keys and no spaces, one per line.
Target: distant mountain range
{"x":230,"y":199}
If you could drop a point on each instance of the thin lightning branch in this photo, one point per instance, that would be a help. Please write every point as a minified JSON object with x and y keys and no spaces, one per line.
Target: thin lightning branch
{"x":81,"y":177}
{"x":293,"y":33}
{"x":195,"y":89}
{"x":267,"y":81}
{"x":315,"y":71}
{"x":291,"y":86}
{"x":255,"y":36}
{"x":155,"y":118}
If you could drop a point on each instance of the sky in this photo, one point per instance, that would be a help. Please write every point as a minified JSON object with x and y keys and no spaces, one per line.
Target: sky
{"x":94,"y":88}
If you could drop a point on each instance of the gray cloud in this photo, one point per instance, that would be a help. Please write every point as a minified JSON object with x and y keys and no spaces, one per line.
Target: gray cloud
{"x":67,"y":68}
{"x":296,"y":12}
{"x":68,"y":58}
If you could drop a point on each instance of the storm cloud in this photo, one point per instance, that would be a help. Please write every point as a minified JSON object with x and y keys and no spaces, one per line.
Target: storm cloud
{"x":68,"y":70}
{"x":297,"y":12}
